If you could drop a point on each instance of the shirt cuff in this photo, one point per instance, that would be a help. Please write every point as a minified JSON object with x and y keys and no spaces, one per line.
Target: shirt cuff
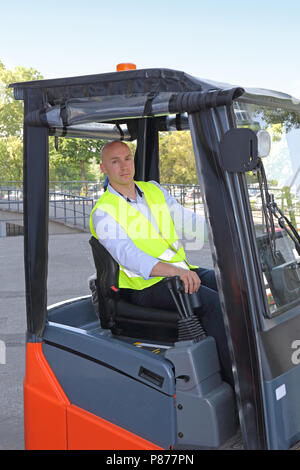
{"x":147,"y":268}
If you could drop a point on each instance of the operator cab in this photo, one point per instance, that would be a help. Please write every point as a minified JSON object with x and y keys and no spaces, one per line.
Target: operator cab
{"x":138,"y":381}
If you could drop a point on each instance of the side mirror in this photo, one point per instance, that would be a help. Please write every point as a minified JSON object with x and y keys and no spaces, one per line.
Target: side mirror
{"x":239,"y":150}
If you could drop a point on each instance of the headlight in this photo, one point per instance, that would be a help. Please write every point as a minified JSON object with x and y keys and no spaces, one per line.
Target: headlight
{"x":263,"y":143}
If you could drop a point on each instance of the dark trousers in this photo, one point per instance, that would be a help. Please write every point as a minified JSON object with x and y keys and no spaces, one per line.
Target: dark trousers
{"x":210,"y":314}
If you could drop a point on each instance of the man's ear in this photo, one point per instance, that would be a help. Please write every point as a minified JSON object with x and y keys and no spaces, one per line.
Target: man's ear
{"x":102,"y":168}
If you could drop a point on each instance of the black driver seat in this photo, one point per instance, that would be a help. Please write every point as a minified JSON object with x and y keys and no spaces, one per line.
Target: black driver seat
{"x":119,"y":315}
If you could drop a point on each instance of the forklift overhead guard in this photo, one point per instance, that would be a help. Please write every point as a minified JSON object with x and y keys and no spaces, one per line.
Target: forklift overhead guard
{"x":128,"y":377}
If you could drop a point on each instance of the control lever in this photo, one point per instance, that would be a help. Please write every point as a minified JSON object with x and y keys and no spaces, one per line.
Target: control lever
{"x":189,"y":326}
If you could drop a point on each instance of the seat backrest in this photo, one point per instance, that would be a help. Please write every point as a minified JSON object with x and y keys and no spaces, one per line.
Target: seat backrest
{"x":127,"y":319}
{"x":107,"y":276}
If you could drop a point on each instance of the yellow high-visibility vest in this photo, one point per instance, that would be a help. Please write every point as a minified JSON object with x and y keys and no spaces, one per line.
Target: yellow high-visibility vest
{"x":165,"y":246}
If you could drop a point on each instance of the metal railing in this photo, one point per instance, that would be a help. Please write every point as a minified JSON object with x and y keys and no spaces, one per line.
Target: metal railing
{"x":288,"y":202}
{"x":184,"y":193}
{"x":70,"y":209}
{"x":79,"y":188}
{"x":71,"y":202}
{"x":11,"y":198}
{"x":11,"y":228}
{"x":188,"y":195}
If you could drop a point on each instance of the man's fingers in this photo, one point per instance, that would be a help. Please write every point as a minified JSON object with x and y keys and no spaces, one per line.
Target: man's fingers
{"x":196,"y":282}
{"x":191,"y":281}
{"x":192,"y":284}
{"x":186,"y":281}
{"x":186,"y":284}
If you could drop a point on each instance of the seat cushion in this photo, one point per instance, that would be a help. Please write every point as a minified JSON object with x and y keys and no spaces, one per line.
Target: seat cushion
{"x":146,"y":323}
{"x":127,"y":310}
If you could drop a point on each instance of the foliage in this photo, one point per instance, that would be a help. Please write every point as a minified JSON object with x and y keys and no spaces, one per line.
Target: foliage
{"x":11,"y":110}
{"x":279,"y":120}
{"x":77,"y":159}
{"x":177,"y":161}
{"x":11,"y":122}
{"x":11,"y":165}
{"x":73,"y":158}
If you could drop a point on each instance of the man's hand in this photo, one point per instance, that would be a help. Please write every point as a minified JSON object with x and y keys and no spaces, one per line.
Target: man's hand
{"x":190,"y":279}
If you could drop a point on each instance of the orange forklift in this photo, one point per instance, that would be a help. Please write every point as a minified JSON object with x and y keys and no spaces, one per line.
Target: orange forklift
{"x":89,"y":384}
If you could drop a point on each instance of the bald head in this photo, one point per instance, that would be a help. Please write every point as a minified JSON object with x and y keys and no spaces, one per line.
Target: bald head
{"x":115,"y":147}
{"x":117,"y":163}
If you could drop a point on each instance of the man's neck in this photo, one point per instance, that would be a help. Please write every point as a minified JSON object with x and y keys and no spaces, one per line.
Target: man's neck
{"x":126,"y":190}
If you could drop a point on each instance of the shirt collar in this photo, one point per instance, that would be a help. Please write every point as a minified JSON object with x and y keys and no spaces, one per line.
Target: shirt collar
{"x":112,"y":190}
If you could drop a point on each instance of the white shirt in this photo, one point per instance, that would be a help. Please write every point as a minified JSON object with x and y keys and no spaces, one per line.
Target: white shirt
{"x":189,"y":226}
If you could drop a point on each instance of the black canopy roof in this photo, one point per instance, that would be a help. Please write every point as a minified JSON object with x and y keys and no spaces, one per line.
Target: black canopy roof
{"x":128,"y":82}
{"x":131,"y":94}
{"x":119,"y":95}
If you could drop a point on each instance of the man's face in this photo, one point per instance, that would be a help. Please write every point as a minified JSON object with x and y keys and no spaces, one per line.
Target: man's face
{"x":118,"y":164}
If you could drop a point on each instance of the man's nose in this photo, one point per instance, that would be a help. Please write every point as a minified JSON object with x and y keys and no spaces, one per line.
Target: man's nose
{"x":124,"y":165}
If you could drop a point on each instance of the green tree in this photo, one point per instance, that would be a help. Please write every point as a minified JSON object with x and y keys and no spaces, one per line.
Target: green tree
{"x":11,"y":110}
{"x":73,"y":157}
{"x":11,"y":166}
{"x":278,"y":123}
{"x":280,"y":119}
{"x":70,"y":162}
{"x":11,"y":122}
{"x":177,"y":161}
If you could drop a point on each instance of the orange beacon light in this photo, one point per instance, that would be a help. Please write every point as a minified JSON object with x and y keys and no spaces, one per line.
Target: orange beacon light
{"x":122,"y":67}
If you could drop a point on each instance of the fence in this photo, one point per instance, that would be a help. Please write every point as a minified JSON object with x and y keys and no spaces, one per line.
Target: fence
{"x":287,"y":201}
{"x":71,"y":202}
{"x":70,"y":209}
{"x":93,"y":189}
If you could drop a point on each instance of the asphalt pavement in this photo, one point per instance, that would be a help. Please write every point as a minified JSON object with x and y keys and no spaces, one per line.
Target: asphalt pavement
{"x":70,"y":265}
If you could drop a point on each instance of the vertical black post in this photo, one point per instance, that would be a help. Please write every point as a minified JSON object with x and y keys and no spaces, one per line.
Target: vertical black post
{"x":152,"y":153}
{"x":147,"y":152}
{"x":36,"y":204}
{"x":232,"y":279}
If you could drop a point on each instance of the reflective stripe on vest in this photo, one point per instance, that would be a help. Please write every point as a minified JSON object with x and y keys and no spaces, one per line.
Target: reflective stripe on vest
{"x":165,"y":246}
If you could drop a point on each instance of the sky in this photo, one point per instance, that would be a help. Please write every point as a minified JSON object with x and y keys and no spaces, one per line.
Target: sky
{"x":251,"y":44}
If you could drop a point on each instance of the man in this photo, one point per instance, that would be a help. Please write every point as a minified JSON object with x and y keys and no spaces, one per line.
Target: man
{"x":137,"y":223}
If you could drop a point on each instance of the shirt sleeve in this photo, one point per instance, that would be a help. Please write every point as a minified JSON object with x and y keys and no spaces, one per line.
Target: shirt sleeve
{"x":114,"y":238}
{"x":190,"y":226}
